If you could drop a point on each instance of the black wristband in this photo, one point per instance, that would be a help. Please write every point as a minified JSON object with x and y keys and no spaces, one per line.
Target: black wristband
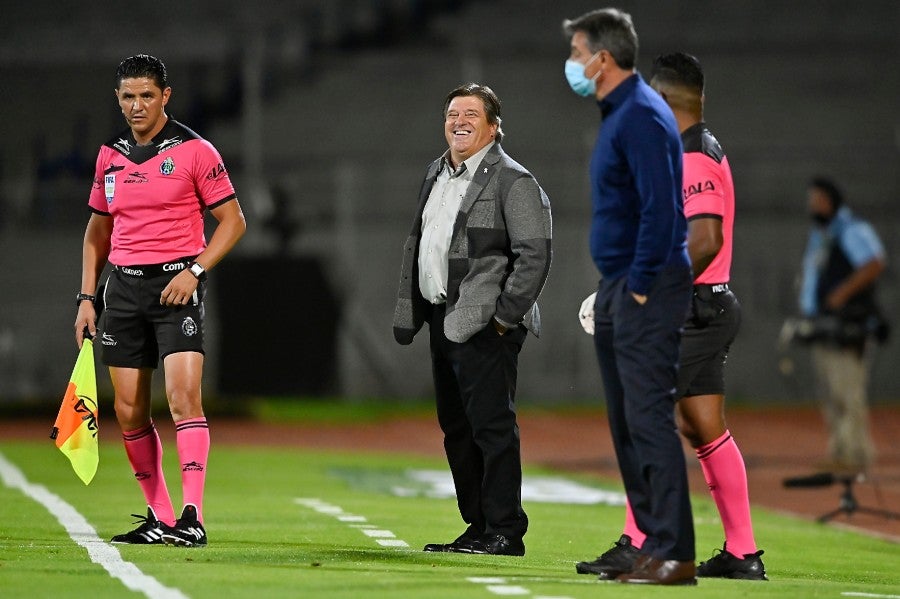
{"x":82,"y":297}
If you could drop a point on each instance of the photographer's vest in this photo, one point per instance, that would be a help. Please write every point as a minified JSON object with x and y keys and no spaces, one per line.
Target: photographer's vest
{"x":835,"y":270}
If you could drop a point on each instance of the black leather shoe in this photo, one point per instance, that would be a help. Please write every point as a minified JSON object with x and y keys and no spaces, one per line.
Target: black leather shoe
{"x":658,"y":571}
{"x":493,"y":544}
{"x":620,"y":559}
{"x":461,"y":543}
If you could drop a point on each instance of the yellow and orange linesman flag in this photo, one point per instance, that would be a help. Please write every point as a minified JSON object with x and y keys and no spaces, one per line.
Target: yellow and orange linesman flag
{"x":76,"y":426}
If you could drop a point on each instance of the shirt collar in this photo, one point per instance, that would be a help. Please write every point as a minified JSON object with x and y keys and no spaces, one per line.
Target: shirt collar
{"x":471,"y":163}
{"x":617,"y":96}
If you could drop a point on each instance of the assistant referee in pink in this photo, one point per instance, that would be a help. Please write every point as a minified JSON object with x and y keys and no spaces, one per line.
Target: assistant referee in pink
{"x":152,"y":185}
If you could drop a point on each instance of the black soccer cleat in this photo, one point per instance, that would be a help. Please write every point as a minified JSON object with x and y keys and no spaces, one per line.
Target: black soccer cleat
{"x":620,"y":559}
{"x":725,"y":565}
{"x":187,"y":532}
{"x":150,"y":532}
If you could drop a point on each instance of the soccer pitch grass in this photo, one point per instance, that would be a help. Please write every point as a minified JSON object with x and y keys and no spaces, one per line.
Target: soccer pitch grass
{"x":298,"y":523}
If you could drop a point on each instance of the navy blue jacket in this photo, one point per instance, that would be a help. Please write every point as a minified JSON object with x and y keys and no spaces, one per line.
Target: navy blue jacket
{"x":638,"y":222}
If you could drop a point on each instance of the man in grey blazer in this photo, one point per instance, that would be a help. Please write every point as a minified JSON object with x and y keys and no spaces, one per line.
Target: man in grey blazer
{"x":473,"y":266}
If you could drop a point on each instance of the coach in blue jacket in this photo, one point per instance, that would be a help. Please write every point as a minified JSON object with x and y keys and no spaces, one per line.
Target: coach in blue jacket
{"x":473,"y":266}
{"x":638,"y":242}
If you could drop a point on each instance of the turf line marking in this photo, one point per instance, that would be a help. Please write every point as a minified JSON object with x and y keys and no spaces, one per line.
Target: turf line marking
{"x":83,"y":533}
{"x":504,"y":589}
{"x":876,"y":596}
{"x":383,"y":537}
{"x":499,"y":585}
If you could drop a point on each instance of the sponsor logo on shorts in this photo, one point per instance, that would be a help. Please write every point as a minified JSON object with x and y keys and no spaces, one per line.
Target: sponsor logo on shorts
{"x":167,"y":167}
{"x":173,"y":266}
{"x":107,"y":339}
{"x":192,"y":467}
{"x":189,"y":327}
{"x":134,"y":272}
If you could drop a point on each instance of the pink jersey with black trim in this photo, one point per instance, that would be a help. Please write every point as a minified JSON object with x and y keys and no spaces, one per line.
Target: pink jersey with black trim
{"x":709,"y":193}
{"x":157,"y":194}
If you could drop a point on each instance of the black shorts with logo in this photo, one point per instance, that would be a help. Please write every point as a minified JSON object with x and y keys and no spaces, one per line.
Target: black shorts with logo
{"x":707,"y":337}
{"x":137,"y":331}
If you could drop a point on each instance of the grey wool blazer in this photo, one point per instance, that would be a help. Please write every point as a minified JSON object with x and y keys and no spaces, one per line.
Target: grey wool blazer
{"x":499,"y":258}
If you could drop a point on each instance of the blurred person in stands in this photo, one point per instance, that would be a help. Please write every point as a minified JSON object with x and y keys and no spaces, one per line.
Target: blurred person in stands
{"x":638,"y":243}
{"x":709,"y":331}
{"x":473,"y":267}
{"x":153,"y":183}
{"x":843,"y":261}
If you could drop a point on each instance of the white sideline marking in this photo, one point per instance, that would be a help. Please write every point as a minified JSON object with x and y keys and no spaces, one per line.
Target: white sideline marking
{"x":384,"y":534}
{"x":507,"y":590}
{"x":876,"y":596}
{"x":499,"y":585}
{"x":83,"y":533}
{"x":348,"y":518}
{"x":383,"y":537}
{"x":392,"y":543}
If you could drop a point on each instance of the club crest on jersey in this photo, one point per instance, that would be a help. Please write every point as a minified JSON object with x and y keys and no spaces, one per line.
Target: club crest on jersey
{"x":167,"y":167}
{"x":189,"y":327}
{"x":109,"y":187}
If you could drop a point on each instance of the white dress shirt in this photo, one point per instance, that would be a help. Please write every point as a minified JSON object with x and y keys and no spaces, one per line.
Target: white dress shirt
{"x":438,"y":219}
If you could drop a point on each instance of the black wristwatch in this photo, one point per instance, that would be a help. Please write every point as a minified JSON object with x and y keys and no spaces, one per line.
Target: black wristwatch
{"x":82,"y":297}
{"x":197,"y":270}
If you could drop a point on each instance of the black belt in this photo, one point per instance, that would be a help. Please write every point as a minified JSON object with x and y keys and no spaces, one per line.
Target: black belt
{"x":148,"y":271}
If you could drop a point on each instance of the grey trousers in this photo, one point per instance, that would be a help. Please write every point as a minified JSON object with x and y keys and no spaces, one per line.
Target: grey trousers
{"x":843,"y":379}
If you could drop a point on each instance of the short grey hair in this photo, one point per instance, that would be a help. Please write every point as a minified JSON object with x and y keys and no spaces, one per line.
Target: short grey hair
{"x":607,"y":29}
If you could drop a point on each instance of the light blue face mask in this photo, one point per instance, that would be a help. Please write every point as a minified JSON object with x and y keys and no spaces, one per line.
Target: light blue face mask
{"x":580,"y":84}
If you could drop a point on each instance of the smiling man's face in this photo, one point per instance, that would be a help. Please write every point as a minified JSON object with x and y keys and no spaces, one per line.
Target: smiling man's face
{"x":467,"y":128}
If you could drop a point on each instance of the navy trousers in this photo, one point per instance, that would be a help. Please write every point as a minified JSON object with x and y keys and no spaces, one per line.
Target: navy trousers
{"x":637,"y":348}
{"x":475,"y":390}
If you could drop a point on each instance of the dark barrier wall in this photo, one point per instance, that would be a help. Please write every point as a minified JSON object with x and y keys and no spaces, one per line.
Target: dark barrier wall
{"x":278,"y":319}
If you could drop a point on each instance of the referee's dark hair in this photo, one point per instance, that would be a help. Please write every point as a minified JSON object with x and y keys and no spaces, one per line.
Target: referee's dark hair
{"x":679,"y":68}
{"x":488,"y":98}
{"x":607,"y":29}
{"x":830,"y":189}
{"x":142,"y":65}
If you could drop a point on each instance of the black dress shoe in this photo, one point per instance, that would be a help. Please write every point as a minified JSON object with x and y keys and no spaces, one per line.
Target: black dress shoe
{"x":493,"y":544}
{"x":460,"y":545}
{"x":661,"y":571}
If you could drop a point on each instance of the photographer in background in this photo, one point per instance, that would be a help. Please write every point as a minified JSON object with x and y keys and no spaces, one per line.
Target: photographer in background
{"x":844,"y":259}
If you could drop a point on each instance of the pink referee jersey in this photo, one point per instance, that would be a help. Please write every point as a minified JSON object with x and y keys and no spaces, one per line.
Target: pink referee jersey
{"x":709,"y":193}
{"x":157,"y":194}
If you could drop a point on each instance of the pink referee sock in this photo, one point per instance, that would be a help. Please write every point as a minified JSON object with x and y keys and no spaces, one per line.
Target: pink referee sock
{"x":144,"y":451}
{"x":192,"y":438}
{"x":725,"y":473}
{"x":631,"y":528}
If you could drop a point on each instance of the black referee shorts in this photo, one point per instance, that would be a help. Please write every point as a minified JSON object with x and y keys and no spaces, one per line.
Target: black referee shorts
{"x":137,"y":331}
{"x":705,"y":344}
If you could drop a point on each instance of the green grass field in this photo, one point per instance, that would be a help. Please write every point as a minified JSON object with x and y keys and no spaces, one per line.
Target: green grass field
{"x":288,"y":523}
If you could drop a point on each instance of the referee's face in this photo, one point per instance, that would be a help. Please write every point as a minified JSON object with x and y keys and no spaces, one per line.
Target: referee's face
{"x":143,"y":106}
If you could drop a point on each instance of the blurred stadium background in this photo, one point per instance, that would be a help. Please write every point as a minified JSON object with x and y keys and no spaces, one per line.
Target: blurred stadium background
{"x":327,"y":112}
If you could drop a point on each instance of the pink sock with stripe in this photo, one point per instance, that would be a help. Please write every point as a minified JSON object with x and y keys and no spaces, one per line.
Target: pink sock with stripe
{"x":192,"y":438}
{"x":144,"y":451}
{"x":725,"y":473}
